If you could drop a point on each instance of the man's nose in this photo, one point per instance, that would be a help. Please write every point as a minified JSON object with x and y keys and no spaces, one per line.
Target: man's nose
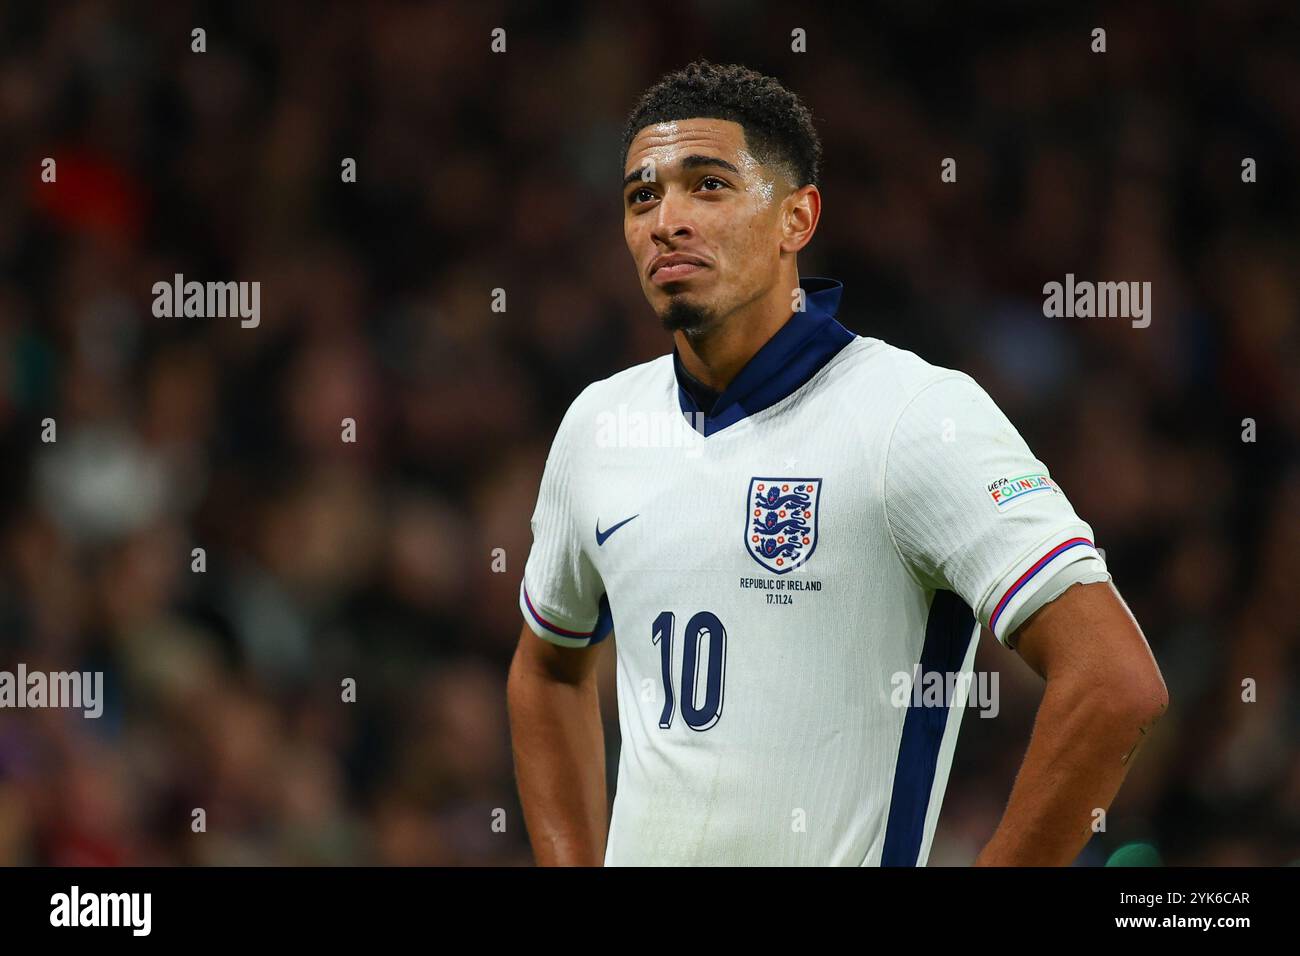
{"x":670,"y":218}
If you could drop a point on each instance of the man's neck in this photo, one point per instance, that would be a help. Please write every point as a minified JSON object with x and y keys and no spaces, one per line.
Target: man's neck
{"x":716,"y":357}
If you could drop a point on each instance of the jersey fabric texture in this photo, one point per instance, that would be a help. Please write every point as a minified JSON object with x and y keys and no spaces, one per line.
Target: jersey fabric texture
{"x":836,"y":525}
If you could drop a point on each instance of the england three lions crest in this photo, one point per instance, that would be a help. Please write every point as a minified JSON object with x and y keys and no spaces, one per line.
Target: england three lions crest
{"x":781,"y":521}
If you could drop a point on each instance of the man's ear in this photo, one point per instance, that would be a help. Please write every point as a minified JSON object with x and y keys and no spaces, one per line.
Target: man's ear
{"x":801,"y":211}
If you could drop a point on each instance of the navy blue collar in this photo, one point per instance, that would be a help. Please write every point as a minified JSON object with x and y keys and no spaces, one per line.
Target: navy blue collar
{"x":791,"y":357}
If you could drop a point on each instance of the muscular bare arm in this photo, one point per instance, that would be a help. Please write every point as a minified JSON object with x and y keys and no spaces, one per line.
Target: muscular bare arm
{"x":1104,"y":692}
{"x":559,"y":750}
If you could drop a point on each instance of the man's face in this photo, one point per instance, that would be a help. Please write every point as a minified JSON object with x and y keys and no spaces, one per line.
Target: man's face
{"x":709,"y":202}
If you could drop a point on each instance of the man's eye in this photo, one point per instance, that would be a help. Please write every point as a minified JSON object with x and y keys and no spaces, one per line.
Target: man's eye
{"x":637,"y":196}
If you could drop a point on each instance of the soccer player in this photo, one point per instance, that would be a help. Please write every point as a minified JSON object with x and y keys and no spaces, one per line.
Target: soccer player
{"x":784,"y":523}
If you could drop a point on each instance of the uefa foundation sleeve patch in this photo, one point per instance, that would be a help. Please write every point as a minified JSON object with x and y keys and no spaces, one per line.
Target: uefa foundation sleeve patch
{"x":1009,"y":492}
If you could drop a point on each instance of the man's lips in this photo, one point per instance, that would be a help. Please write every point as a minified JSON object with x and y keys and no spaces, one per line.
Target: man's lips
{"x":675,"y":266}
{"x":674,"y":259}
{"x":675,"y":273}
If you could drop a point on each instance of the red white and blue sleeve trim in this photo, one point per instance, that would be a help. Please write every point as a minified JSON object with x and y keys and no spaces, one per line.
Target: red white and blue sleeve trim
{"x":1061,"y":554}
{"x":543,"y":626}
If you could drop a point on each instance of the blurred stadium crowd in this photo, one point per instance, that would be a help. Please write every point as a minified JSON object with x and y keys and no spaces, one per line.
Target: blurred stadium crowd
{"x":476,"y":171}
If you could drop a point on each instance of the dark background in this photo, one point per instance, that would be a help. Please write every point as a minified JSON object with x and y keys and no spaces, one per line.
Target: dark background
{"x":479,"y":171}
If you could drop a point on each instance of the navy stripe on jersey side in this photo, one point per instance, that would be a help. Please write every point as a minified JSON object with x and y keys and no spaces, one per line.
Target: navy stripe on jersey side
{"x":604,"y":621}
{"x":948,"y":633}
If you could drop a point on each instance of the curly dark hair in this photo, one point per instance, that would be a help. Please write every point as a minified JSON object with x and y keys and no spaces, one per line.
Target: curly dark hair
{"x":778,"y":127}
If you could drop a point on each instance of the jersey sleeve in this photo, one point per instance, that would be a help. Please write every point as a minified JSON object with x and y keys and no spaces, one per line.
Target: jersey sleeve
{"x":972,"y":510}
{"x":561,"y":595}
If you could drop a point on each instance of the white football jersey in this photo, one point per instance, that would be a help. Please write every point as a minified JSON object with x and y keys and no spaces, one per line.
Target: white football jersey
{"x":783,"y":571}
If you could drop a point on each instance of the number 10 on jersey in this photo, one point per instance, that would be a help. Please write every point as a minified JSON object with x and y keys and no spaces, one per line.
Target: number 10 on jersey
{"x":702,"y":630}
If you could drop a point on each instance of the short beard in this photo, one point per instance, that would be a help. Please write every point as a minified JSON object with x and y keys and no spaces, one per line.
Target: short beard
{"x":682,"y":316}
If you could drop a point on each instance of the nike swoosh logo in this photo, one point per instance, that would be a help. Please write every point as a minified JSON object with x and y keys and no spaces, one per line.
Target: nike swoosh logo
{"x":602,"y":538}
